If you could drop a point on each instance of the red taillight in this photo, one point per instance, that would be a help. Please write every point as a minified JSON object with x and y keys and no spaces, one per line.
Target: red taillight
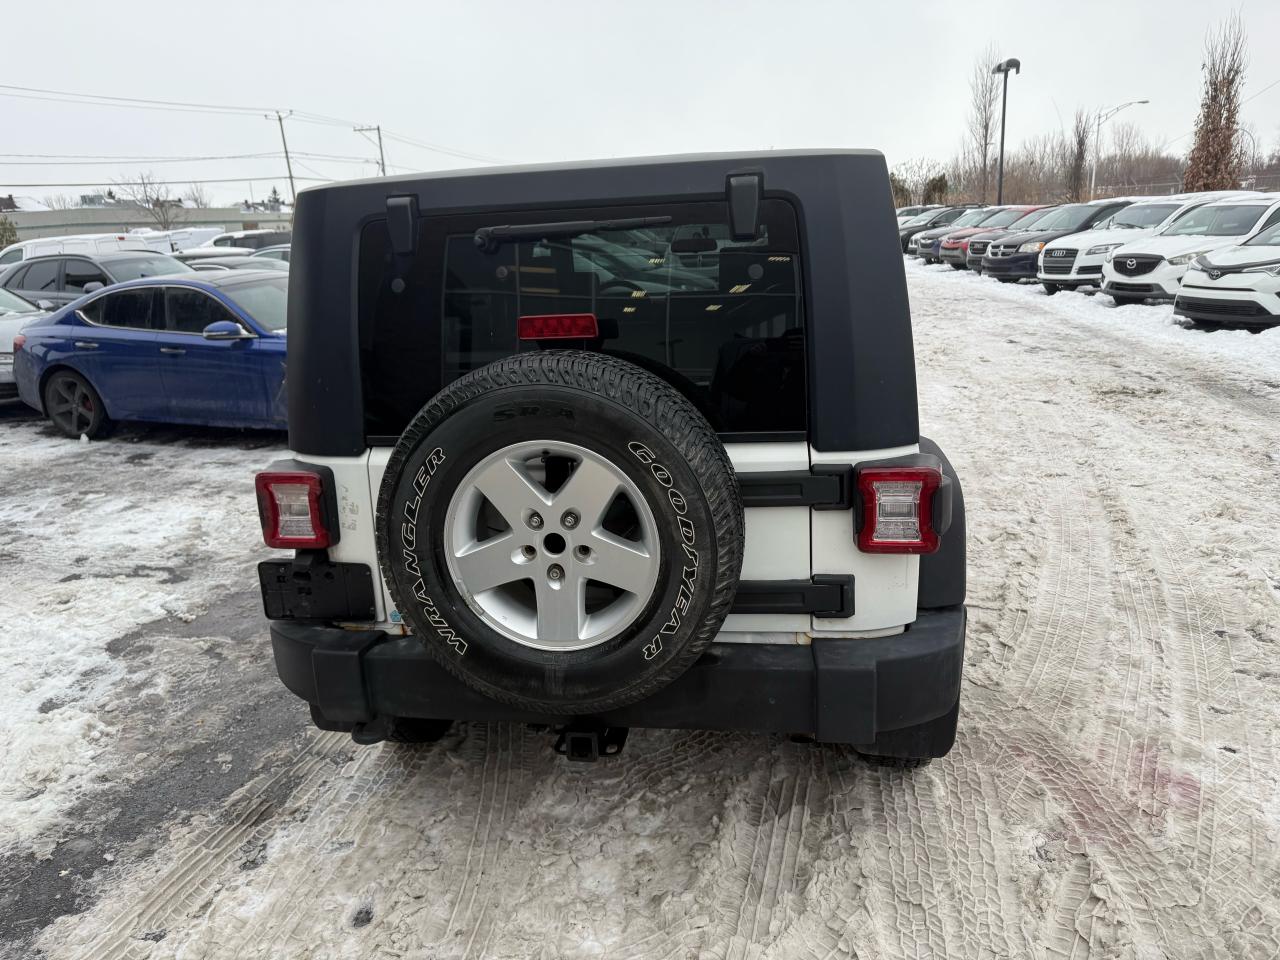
{"x":290,"y":509}
{"x":558,"y":326}
{"x":19,"y":341}
{"x":897,"y":509}
{"x":964,"y":245}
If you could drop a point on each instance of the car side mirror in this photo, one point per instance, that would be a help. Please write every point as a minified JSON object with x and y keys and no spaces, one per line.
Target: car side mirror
{"x":226,"y":330}
{"x":45,"y":304}
{"x":93,"y":286}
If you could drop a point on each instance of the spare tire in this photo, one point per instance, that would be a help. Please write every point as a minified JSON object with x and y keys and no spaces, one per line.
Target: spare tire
{"x":563,"y":530}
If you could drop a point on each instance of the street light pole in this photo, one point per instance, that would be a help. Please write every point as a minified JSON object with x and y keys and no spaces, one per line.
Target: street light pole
{"x":1003,"y":68}
{"x":1103,"y":117}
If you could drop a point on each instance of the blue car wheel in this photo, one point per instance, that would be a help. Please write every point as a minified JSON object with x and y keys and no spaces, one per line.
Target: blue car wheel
{"x":73,"y":405}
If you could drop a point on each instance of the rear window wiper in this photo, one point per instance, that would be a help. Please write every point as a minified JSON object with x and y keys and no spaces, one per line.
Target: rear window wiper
{"x":489,"y":238}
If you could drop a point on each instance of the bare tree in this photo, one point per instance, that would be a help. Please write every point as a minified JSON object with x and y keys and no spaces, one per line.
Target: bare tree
{"x":1076,"y":156}
{"x":154,"y":197}
{"x":198,"y":195}
{"x":980,"y":128}
{"x":914,"y":176}
{"x":8,"y":232}
{"x":1216,"y":159}
{"x":58,"y":201}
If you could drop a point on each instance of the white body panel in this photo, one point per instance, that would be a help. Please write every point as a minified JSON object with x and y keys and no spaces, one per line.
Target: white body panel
{"x":781,"y":543}
{"x":89,"y":243}
{"x":1257,"y":287}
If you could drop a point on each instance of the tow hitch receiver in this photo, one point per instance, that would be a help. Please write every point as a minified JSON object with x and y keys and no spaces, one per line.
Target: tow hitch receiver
{"x":589,"y":742}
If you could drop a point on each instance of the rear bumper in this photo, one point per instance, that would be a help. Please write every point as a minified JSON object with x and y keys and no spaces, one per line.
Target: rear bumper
{"x":836,"y":690}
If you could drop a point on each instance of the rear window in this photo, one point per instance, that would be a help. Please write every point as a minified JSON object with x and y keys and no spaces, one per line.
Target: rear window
{"x":721,"y":320}
{"x":136,"y":268}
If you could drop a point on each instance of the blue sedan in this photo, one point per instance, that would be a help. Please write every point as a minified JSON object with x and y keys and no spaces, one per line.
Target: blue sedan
{"x":207,"y":351}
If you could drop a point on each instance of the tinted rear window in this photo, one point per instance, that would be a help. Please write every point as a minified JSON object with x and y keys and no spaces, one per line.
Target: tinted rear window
{"x":721,"y":320}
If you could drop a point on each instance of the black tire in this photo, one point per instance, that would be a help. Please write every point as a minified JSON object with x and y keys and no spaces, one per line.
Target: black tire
{"x":958,"y":266}
{"x":651,"y":435}
{"x":1050,"y":288}
{"x":1123,"y":301}
{"x":73,"y":406}
{"x":1007,"y":279}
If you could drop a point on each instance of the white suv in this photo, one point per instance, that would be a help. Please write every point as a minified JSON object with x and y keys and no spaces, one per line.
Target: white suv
{"x":1076,"y":261}
{"x":1153,"y":268}
{"x":1236,"y":285}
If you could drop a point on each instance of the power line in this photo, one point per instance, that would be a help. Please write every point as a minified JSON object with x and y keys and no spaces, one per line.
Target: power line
{"x":140,"y":103}
{"x":90,"y":160}
{"x":168,"y":183}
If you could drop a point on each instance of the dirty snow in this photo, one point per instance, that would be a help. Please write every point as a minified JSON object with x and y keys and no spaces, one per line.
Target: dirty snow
{"x":1113,"y":792}
{"x":95,"y":540}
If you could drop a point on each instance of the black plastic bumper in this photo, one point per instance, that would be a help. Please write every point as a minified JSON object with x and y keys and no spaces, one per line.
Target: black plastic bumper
{"x":1018,"y":266}
{"x":836,"y":690}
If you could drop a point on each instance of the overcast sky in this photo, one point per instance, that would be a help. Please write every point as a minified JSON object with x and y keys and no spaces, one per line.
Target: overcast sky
{"x":539,"y":81}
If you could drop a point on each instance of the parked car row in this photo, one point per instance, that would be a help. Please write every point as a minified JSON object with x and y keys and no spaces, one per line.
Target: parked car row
{"x":1216,"y":255}
{"x":97,"y":333}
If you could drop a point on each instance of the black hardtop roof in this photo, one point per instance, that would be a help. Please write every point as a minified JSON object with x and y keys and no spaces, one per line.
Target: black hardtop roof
{"x":581,"y":166}
{"x":861,"y":363}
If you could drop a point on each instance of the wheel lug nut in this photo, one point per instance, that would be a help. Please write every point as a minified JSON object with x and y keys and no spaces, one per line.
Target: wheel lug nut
{"x":535,"y":521}
{"x":528,"y":552}
{"x":569,"y":520}
{"x":582,"y":552}
{"x":555,"y":573}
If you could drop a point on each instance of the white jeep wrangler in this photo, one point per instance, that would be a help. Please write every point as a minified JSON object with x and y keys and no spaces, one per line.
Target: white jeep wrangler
{"x":614,"y":444}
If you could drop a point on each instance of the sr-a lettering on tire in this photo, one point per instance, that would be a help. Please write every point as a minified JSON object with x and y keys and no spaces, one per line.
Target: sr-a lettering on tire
{"x":637,"y":423}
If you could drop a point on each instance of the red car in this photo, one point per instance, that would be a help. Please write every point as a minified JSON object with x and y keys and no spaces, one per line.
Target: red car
{"x":954,"y":248}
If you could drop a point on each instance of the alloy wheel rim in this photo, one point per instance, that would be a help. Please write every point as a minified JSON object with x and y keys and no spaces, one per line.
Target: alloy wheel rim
{"x":552,"y":545}
{"x":71,"y":404}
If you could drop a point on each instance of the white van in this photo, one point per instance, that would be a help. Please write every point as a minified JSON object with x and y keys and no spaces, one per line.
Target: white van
{"x":90,"y":243}
{"x":179,"y":238}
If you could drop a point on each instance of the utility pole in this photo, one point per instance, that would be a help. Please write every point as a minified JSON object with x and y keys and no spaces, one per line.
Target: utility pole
{"x":1103,"y":117}
{"x":293,"y":193}
{"x":382,"y":160}
{"x":1004,"y":67}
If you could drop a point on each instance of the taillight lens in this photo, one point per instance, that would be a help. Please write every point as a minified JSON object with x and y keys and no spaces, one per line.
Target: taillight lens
{"x":19,"y":342}
{"x":897,"y":509}
{"x":558,"y":326}
{"x":290,"y":510}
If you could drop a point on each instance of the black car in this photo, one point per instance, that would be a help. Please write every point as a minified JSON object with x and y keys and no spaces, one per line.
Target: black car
{"x":208,"y":264}
{"x":525,"y":510}
{"x":942,"y":217}
{"x":1013,"y":257}
{"x":61,"y":278}
{"x":979,"y":242}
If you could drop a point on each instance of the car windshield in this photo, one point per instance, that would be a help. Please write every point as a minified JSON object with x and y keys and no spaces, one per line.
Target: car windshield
{"x":921,"y":218}
{"x":135,"y":268}
{"x":1269,"y":237}
{"x":970,"y":219}
{"x":1230,"y":220}
{"x":263,"y":299}
{"x":1071,"y":217}
{"x":1142,"y":215}
{"x":1035,"y":216}
{"x":1002,"y":218}
{"x":11,"y":303}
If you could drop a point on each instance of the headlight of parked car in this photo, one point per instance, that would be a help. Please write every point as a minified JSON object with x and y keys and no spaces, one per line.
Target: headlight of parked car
{"x":1186,"y":258}
{"x":1273,"y":269}
{"x":1102,"y":248}
{"x":1031,"y":247}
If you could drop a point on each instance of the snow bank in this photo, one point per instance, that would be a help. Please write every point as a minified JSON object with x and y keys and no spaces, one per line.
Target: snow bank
{"x":95,"y":540}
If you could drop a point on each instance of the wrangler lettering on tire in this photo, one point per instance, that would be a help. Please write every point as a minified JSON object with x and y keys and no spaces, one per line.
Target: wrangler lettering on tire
{"x":563,"y":531}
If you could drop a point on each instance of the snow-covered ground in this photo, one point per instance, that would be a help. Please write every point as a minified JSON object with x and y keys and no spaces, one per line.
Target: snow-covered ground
{"x":1113,"y":792}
